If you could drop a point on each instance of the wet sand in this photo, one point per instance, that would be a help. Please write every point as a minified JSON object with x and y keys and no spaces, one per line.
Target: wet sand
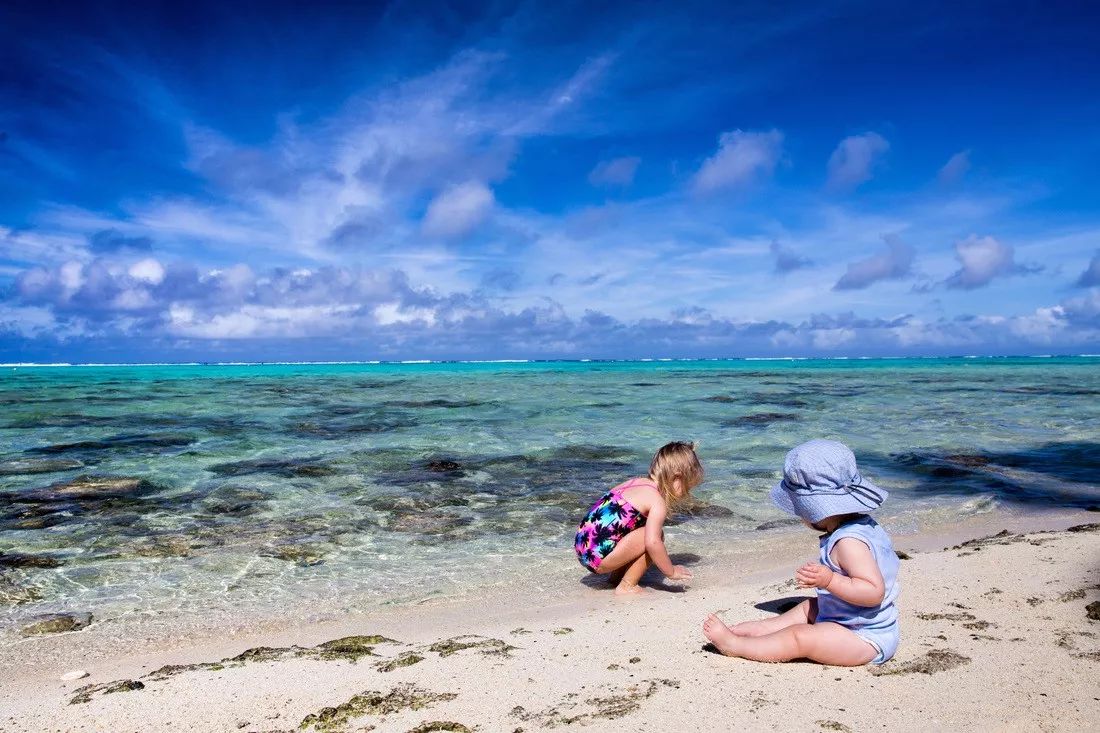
{"x":996,"y":635}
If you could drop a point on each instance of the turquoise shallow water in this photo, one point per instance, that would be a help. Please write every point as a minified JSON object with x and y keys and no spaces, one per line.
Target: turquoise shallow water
{"x":146,"y":488}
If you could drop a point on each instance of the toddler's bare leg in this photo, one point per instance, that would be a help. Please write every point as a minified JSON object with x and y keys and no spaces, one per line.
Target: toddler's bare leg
{"x":803,"y":613}
{"x":827,"y":643}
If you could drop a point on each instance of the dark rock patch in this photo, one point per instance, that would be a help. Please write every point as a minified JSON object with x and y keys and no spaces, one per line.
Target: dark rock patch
{"x":446,"y":726}
{"x":446,"y":404}
{"x":778,"y":523}
{"x":87,"y":692}
{"x":24,"y":560}
{"x":29,"y":466}
{"x":759,"y":420}
{"x":933,"y":661}
{"x":407,"y":659}
{"x":56,"y":623}
{"x":1092,"y":611}
{"x":720,"y":399}
{"x":119,"y":442}
{"x":285,"y":467}
{"x":400,"y":698}
{"x":1092,"y":527}
{"x":90,"y":488}
{"x":484,"y":645}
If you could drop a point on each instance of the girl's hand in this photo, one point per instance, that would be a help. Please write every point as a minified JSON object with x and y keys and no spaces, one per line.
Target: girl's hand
{"x":813,"y":575}
{"x":679,"y":572}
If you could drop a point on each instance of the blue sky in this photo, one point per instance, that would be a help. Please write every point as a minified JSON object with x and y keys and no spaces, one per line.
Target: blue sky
{"x":531,"y":180}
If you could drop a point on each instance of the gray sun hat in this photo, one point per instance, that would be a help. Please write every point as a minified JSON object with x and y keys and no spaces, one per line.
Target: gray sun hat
{"x":820,"y":479}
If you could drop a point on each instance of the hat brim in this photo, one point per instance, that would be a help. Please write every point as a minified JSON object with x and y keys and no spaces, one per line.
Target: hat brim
{"x":815,"y":507}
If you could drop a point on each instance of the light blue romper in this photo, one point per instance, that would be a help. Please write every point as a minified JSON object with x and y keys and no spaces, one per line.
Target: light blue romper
{"x":877,"y":625}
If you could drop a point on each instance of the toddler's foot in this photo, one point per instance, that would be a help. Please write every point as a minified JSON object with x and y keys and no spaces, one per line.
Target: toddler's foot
{"x":720,"y":635}
{"x":628,"y":589}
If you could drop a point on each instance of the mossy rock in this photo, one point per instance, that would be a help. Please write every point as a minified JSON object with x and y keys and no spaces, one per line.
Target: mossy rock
{"x":444,"y":726}
{"x":350,"y":647}
{"x":400,"y":698}
{"x":485,"y":645}
{"x":404,"y":660}
{"x":84,"y":694}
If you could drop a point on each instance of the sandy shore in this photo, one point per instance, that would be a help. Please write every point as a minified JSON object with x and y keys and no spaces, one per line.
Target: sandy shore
{"x":995,"y":636}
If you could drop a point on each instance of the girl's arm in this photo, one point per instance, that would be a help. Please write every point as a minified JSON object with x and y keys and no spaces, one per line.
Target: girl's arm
{"x":863,"y":585}
{"x":655,"y":543}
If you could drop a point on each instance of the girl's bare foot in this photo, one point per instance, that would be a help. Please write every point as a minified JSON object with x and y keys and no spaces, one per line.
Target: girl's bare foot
{"x":629,"y":589}
{"x":720,"y":635}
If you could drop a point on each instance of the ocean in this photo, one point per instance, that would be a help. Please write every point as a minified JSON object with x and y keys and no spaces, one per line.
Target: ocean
{"x":273,"y":488}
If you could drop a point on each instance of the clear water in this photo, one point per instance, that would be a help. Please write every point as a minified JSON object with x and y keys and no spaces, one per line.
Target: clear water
{"x":329,"y":486}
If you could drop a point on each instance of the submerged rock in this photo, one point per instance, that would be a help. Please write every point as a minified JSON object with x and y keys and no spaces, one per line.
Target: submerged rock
{"x":1092,"y":611}
{"x":119,"y":442}
{"x":84,"y":488}
{"x":777,"y":523}
{"x":56,"y":623}
{"x":285,"y":467}
{"x":759,"y":420}
{"x":442,"y":465}
{"x":21,"y":560}
{"x":12,"y":593}
{"x":303,"y":554}
{"x":27,"y":466}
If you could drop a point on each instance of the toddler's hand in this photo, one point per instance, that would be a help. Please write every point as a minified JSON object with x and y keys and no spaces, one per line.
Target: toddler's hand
{"x":679,"y":572}
{"x":813,"y":575}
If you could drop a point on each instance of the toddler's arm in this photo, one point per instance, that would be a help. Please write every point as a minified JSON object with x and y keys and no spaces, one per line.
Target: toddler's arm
{"x":863,"y":584}
{"x":655,"y":544}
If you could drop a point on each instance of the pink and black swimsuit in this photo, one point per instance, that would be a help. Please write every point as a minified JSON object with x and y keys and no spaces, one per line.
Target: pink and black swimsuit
{"x":608,"y":521}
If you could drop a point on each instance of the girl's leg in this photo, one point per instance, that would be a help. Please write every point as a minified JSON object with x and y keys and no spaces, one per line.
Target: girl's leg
{"x":803,"y":613}
{"x":628,"y":560}
{"x":827,"y":643}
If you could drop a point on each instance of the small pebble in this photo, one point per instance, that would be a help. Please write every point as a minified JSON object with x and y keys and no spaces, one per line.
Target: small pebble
{"x":76,"y":674}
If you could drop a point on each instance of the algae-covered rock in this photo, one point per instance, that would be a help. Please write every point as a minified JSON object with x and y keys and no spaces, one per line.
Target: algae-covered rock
{"x":403,"y":660}
{"x":84,"y":694}
{"x":445,"y":726}
{"x":350,"y":648}
{"x":401,"y":697}
{"x":484,"y":645}
{"x":56,"y":623}
{"x":303,"y":554}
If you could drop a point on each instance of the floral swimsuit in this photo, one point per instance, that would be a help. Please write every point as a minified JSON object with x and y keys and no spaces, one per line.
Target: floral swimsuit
{"x":608,"y":521}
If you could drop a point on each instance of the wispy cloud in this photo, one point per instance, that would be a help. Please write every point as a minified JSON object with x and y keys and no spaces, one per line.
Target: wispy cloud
{"x":787,"y":259}
{"x":896,"y":262}
{"x":1091,"y":276}
{"x":955,"y":168}
{"x":742,"y":157}
{"x":614,"y":172}
{"x":854,"y":160}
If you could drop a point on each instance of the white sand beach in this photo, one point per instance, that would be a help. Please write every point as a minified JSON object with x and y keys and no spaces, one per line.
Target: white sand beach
{"x":995,"y":636}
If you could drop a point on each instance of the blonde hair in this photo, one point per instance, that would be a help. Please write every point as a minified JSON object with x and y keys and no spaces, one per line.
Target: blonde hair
{"x":676,"y":460}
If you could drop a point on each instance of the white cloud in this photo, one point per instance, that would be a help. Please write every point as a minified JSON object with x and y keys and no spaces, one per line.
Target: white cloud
{"x":458,"y":210}
{"x":854,"y":159}
{"x":615,"y":172}
{"x":147,"y":271}
{"x":955,"y":168}
{"x":742,"y":157}
{"x":982,"y":259}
